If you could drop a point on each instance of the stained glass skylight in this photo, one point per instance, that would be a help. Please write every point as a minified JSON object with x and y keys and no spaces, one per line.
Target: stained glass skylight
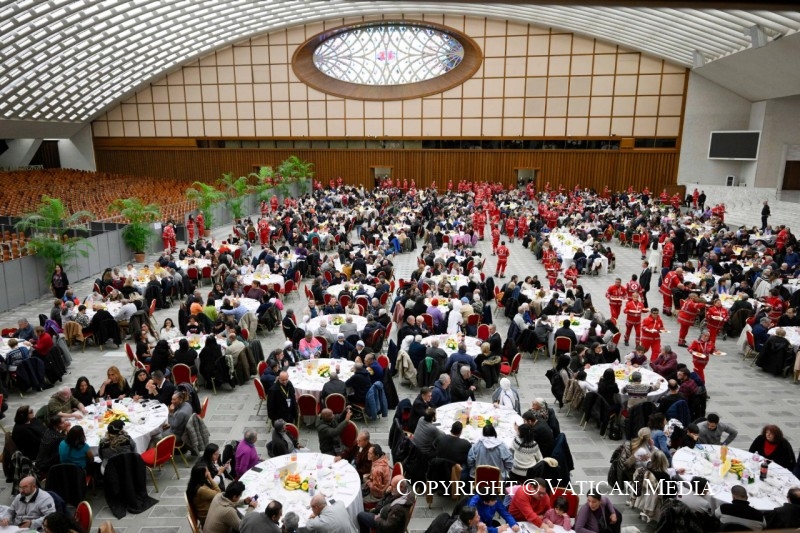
{"x":389,"y":54}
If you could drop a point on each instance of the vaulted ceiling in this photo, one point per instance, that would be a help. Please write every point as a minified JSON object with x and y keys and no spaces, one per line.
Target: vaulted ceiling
{"x":69,"y":60}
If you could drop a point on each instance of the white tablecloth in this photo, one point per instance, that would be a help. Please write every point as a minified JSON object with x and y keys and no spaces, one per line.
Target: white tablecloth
{"x":648,"y":377}
{"x":456,"y":281}
{"x":565,"y":244}
{"x":313,"y":324}
{"x":335,"y":290}
{"x":338,"y":481}
{"x":199,"y":264}
{"x":763,"y":495}
{"x":305,"y":383}
{"x":769,"y":239}
{"x":473,"y":344}
{"x":264,"y":280}
{"x":146,"y":420}
{"x":111,"y":307}
{"x":447,"y":414}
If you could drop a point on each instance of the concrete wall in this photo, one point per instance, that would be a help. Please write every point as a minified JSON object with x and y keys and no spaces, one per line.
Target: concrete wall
{"x":78,"y":151}
{"x":709,"y":107}
{"x":781,"y":129}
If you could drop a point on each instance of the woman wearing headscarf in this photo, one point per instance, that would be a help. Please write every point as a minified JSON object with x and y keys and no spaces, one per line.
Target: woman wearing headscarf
{"x":506,"y":396}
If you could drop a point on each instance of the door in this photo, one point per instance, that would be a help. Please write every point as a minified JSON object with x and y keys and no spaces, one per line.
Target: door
{"x":525,"y":176}
{"x":381,"y":174}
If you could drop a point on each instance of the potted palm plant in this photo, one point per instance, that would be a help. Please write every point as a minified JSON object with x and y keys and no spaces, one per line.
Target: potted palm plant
{"x":205,"y":196}
{"x":264,"y":186}
{"x":235,"y":190}
{"x":294,"y":169}
{"x":56,"y":236}
{"x":138,"y":233}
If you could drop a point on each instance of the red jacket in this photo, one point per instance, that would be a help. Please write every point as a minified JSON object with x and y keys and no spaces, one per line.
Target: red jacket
{"x":651,"y":328}
{"x":502,"y":253}
{"x":671,"y":281}
{"x":616,"y":294}
{"x":43,"y":344}
{"x":689,"y":311}
{"x":633,"y":311}
{"x":716,"y":317}
{"x":527,"y":508}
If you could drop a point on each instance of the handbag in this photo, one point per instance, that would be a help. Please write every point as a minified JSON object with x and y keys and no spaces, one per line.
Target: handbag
{"x":604,"y":526}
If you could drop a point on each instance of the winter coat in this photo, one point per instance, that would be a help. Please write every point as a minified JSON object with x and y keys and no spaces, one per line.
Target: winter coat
{"x":376,"y":402}
{"x":490,"y":451}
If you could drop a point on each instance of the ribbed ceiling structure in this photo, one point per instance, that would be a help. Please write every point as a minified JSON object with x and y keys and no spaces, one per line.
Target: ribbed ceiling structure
{"x":69,"y":60}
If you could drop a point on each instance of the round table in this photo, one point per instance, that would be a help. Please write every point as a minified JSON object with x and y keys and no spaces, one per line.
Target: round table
{"x":264,"y":280}
{"x":473,"y":344}
{"x":111,"y":307}
{"x":505,"y":418}
{"x":197,"y":342}
{"x":577,"y":324}
{"x":335,"y":290}
{"x":456,"y":280}
{"x":145,"y":420}
{"x":249,"y":303}
{"x":305,"y":383}
{"x":623,"y":372}
{"x":313,"y":324}
{"x":566,"y":245}
{"x":199,"y":264}
{"x":337,"y":480}
{"x":763,"y":495}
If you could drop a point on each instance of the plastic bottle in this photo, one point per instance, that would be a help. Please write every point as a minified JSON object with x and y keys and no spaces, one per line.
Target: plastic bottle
{"x":319,"y":463}
{"x":276,"y":478}
{"x":294,"y":456}
{"x":312,"y":486}
{"x":764,"y":470}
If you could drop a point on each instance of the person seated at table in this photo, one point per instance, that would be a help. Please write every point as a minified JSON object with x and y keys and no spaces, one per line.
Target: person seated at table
{"x":490,"y":450}
{"x":711,"y":431}
{"x":777,"y":354}
{"x":361,"y":350}
{"x":373,"y":367}
{"x":246,"y":455}
{"x":161,"y":358}
{"x":773,"y":445}
{"x":700,"y":502}
{"x":341,"y":348}
{"x":201,"y":491}
{"x":761,"y":333}
{"x":186,"y":355}
{"x":160,"y":388}
{"x":739,"y":514}
{"x":84,"y":392}
{"x":392,"y":512}
{"x":30,"y":507}
{"x":42,"y":342}
{"x":115,"y":386}
{"x":24,"y":330}
{"x":329,"y":427}
{"x":487,"y":504}
{"x":27,"y":432}
{"x":463,"y":384}
{"x":114,"y":442}
{"x":638,"y":357}
{"x":169,"y":331}
{"x":462,"y":357}
{"x":787,"y":515}
{"x":359,"y":383}
{"x":506,"y":396}
{"x":148,"y":336}
{"x":666,"y":364}
{"x":310,"y":347}
{"x":180,"y":410}
{"x":282,"y":443}
{"x":74,"y":450}
{"x":598,"y":511}
{"x":138,"y":389}
{"x":566,"y":331}
{"x":63,"y":404}
{"x":223,"y":516}
{"x":531,"y":502}
{"x":377,"y":481}
{"x":358,"y":453}
{"x":426,"y":434}
{"x":637,"y":391}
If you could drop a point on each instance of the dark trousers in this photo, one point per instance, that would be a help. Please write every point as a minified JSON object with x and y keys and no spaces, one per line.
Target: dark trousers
{"x":366,"y":521}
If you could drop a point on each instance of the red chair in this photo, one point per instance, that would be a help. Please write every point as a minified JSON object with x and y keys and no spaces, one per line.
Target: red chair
{"x":205,"y":273}
{"x":615,"y":338}
{"x":181,"y":373}
{"x":152,"y":307}
{"x":246,"y":334}
{"x":308,"y":405}
{"x":383,"y":360}
{"x":204,"y":408}
{"x":83,"y":515}
{"x":292,"y":430}
{"x":109,"y":289}
{"x":163,"y":452}
{"x":397,"y":469}
{"x":498,"y":304}
{"x":483,"y":332}
{"x":344,"y":300}
{"x":572,"y":500}
{"x":336,"y":403}
{"x":349,"y":434}
{"x":487,"y":474}
{"x":513,"y":368}
{"x":363,"y":301}
{"x":262,"y":396}
{"x":288,"y":287}
{"x":428,"y":320}
{"x":361,"y":409}
{"x":750,"y":348}
{"x":563,"y":345}
{"x":384,"y":298}
{"x":473,"y":320}
{"x":262,"y":366}
{"x":324,"y":342}
{"x":328,"y":276}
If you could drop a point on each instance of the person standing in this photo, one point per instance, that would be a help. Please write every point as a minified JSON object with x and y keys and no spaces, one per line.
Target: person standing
{"x":716,"y":318}
{"x":765,"y":214}
{"x":633,"y":317}
{"x":652,"y":326}
{"x":644,"y":281}
{"x":701,"y":350}
{"x":616,"y":294}
{"x":281,"y":400}
{"x":687,"y":316}
{"x":502,"y":259}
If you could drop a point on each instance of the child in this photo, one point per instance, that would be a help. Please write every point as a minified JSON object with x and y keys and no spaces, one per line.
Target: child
{"x":558,"y":514}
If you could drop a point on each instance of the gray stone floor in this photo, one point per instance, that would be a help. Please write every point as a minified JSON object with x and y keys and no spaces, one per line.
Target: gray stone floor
{"x":741,"y":394}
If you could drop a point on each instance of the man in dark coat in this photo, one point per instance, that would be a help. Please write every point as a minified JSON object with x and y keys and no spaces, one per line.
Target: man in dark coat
{"x":787,"y":515}
{"x":281,"y":400}
{"x":644,"y":281}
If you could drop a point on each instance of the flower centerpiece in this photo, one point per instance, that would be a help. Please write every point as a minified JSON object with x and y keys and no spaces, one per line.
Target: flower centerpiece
{"x":451,"y":343}
{"x":295,"y":482}
{"x":112,"y":415}
{"x":480,"y":421}
{"x":337,"y":320}
{"x":324,"y":371}
{"x":619,"y":374}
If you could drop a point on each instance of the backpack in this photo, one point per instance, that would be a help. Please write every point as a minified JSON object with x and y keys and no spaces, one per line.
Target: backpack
{"x":229,"y":454}
{"x":614,"y":431}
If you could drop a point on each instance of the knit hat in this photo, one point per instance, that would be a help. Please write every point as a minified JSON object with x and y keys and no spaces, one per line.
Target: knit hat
{"x":435,"y":302}
{"x":115,"y":427}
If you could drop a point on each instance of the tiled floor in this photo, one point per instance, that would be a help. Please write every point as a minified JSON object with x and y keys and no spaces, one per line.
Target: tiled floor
{"x":740,"y":394}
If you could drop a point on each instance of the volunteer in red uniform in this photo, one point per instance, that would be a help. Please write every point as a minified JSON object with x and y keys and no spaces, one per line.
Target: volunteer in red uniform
{"x":339,"y":181}
{"x":644,"y":241}
{"x":552,"y":219}
{"x":168,"y":237}
{"x":780,"y":240}
{"x":652,"y":326}
{"x":633,"y":317}
{"x":273,"y":202}
{"x":667,"y":253}
{"x":552,"y":268}
{"x":264,"y":208}
{"x":263,"y":231}
{"x":716,"y":317}
{"x":695,"y":196}
{"x":522,"y":226}
{"x":495,"y":239}
{"x":676,"y":201}
{"x":633,"y":286}
{"x":616,"y":295}
{"x":190,"y":228}
{"x":701,"y":350}
{"x":663,"y":198}
{"x":672,"y":280}
{"x":502,"y":260}
{"x":450,"y":186}
{"x":571,"y":273}
{"x":606,"y":192}
{"x":687,"y":316}
{"x":201,"y":225}
{"x":511,"y":227}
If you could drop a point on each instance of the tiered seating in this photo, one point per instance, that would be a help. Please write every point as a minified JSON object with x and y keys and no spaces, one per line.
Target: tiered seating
{"x":12,"y":245}
{"x":21,"y":192}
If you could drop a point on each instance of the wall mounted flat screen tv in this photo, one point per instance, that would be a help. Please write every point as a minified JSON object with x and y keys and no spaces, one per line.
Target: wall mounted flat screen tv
{"x":741,"y":145}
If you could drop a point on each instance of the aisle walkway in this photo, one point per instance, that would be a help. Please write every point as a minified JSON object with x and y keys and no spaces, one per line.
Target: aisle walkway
{"x":763,"y":399}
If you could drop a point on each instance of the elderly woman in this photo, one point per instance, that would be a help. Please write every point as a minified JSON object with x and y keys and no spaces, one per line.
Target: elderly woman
{"x":377,"y":481}
{"x":774,"y":446}
{"x":114,"y":442}
{"x":506,"y":396}
{"x":28,"y":431}
{"x":777,"y":354}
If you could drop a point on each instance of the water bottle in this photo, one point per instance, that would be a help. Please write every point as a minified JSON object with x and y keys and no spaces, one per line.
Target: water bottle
{"x":294,"y":456}
{"x":276,"y":478}
{"x":312,"y":486}
{"x":764,"y":469}
{"x":319,"y":463}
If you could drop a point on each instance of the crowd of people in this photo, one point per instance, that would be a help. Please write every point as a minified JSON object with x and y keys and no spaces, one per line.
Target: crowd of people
{"x":698,"y":263}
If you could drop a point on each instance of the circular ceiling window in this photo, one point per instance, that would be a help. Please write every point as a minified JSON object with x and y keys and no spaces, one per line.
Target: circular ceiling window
{"x":387,"y":60}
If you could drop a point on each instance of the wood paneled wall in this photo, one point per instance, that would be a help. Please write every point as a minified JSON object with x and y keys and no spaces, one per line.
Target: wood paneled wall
{"x":655,"y":169}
